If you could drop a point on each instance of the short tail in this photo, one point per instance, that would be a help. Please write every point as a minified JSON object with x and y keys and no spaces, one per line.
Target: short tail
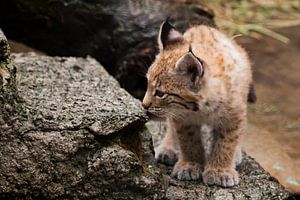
{"x":251,"y":94}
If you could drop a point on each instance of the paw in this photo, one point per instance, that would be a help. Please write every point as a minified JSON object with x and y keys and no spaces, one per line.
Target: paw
{"x":187,"y":171}
{"x":221,"y":177}
{"x":166,"y":156}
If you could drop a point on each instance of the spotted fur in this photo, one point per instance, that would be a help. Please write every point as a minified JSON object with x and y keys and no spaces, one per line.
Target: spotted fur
{"x":199,"y":78}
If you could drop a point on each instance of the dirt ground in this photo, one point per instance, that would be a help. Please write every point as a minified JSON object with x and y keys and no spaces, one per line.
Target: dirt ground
{"x":275,"y":142}
{"x":276,"y":73}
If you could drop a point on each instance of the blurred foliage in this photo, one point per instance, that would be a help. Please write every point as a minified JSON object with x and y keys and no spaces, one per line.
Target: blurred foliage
{"x":255,"y":17}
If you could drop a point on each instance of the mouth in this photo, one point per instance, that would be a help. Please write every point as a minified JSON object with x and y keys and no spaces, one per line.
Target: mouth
{"x":155,"y":117}
{"x":155,"y":113}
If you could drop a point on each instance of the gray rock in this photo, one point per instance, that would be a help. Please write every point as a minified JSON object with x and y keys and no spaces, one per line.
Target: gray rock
{"x":8,"y":96}
{"x":75,"y":134}
{"x":255,"y":183}
{"x":74,"y":93}
{"x":6,"y":69}
{"x":4,"y":48}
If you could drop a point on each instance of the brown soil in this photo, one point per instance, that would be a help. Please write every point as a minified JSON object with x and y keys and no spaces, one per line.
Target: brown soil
{"x":276,"y":115}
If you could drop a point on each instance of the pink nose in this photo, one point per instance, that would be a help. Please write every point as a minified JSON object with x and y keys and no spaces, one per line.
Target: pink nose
{"x":146,"y":101}
{"x":146,"y":105}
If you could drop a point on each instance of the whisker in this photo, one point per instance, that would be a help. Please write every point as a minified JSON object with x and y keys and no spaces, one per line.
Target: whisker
{"x":174,"y":115}
{"x":160,"y":127}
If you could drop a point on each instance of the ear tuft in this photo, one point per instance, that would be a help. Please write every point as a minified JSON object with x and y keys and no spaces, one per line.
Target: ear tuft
{"x":190,"y":49}
{"x":168,"y":35}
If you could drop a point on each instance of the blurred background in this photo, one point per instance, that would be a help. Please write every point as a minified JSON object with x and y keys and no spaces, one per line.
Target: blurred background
{"x":121,"y":35}
{"x":269,"y":30}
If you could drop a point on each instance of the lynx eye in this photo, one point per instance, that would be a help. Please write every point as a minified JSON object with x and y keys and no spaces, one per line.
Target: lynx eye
{"x":159,"y":94}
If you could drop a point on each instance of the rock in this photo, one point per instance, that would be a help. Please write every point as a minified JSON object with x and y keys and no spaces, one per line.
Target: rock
{"x":4,"y":48}
{"x":122,"y":35}
{"x":74,"y":93}
{"x":8,"y":93}
{"x":6,"y":69}
{"x":255,"y":182}
{"x":75,"y":135}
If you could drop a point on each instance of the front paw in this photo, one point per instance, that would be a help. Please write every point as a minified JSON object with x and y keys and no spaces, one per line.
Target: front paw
{"x":165,"y":155}
{"x":221,"y":177}
{"x":187,"y":171}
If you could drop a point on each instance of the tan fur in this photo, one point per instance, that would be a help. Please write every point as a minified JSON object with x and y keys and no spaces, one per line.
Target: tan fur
{"x":218,"y":99}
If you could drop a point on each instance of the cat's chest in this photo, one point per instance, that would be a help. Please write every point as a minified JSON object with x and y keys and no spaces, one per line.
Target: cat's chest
{"x":211,"y":116}
{"x":198,"y":118}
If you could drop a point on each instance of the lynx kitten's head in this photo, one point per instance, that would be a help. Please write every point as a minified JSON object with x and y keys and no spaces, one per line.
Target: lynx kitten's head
{"x":175,"y":78}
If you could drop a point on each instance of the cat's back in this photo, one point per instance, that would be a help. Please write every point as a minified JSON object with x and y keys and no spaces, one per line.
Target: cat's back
{"x":228,"y":65}
{"x":219,"y":51}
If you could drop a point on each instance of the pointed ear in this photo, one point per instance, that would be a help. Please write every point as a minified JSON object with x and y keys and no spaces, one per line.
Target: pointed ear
{"x":168,"y":35}
{"x":191,"y":67}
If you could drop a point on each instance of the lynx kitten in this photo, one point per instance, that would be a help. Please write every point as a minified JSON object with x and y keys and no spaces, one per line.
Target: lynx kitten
{"x":199,"y":78}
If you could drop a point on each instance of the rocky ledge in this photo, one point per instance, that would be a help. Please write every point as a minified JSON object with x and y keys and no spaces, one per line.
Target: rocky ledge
{"x":75,"y":135}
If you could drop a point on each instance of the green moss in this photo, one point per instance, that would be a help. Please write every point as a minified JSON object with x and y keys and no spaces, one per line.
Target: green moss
{"x":118,"y":139}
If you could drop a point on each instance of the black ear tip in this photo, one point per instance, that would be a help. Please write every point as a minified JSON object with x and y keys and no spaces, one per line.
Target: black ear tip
{"x":166,"y":24}
{"x":168,"y":34}
{"x":251,"y":94}
{"x":191,"y":51}
{"x":190,"y":48}
{"x":167,"y":20}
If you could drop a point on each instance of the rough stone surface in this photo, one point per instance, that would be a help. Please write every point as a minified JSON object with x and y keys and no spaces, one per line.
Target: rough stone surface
{"x":74,"y":93}
{"x":4,"y":48}
{"x":6,"y":69}
{"x":75,"y":135}
{"x":8,"y":96}
{"x":255,"y":183}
